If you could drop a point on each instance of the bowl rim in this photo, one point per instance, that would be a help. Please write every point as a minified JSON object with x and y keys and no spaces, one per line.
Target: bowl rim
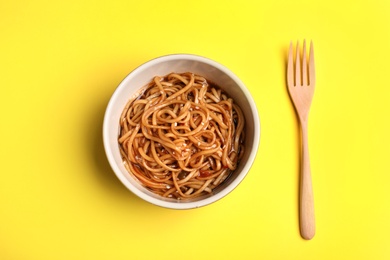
{"x":181,"y":204}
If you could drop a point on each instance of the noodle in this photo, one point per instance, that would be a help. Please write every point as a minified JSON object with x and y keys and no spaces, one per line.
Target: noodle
{"x":182,"y":136}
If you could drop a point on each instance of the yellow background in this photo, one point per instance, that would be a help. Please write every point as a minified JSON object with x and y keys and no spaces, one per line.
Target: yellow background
{"x":60,"y":61}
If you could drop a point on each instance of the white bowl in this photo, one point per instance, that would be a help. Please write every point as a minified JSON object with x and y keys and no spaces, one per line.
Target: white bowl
{"x":181,"y":63}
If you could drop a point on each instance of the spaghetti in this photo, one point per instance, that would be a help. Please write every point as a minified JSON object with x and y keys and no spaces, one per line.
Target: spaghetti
{"x":181,"y":136}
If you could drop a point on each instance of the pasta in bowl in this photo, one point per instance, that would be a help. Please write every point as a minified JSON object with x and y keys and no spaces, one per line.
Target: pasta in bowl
{"x":181,"y":131}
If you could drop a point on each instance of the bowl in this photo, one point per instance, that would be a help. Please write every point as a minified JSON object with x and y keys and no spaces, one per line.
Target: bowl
{"x":180,"y":63}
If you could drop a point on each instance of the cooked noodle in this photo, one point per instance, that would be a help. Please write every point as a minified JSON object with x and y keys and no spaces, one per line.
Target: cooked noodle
{"x":181,"y":136}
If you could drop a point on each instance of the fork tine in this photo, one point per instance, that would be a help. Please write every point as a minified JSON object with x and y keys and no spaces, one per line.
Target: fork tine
{"x":304,"y":65}
{"x":290,"y":67}
{"x":312,"y":74}
{"x":297,"y":67}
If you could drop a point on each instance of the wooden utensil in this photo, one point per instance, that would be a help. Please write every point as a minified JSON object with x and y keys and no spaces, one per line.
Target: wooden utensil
{"x":301,"y":82}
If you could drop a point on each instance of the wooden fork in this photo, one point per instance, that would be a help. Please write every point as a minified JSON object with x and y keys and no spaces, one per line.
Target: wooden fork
{"x":301,"y":84}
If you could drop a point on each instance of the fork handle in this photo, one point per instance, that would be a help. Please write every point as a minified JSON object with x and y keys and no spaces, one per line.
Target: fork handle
{"x":306,"y":208}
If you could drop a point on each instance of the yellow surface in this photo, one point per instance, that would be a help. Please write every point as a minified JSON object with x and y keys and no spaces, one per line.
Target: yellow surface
{"x":60,"y":61}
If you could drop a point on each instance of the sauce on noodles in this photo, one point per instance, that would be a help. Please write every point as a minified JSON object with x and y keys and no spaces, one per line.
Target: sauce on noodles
{"x":182,"y":136}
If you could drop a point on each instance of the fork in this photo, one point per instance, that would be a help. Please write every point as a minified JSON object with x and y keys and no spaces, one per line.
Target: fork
{"x":301,"y":84}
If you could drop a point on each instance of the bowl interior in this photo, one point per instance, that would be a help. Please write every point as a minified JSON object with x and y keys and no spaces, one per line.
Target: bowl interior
{"x":162,"y":66}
